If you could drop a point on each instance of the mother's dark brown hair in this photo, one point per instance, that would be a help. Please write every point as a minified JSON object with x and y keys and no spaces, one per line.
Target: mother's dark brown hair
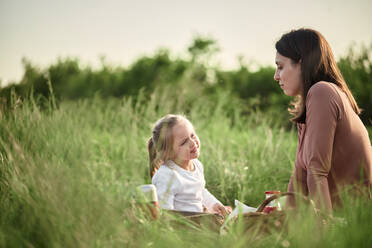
{"x":310,"y":48}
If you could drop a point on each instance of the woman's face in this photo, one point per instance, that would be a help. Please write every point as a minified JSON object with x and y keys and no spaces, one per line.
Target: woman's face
{"x":288,"y":74}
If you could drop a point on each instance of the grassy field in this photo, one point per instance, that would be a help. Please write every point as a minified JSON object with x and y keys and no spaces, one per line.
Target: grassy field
{"x":68,"y":174}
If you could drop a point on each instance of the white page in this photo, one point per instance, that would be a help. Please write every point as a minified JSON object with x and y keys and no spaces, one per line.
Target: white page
{"x":239,"y":208}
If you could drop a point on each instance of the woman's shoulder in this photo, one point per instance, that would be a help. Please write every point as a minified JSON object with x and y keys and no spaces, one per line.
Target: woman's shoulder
{"x":327,"y":98}
{"x":322,"y":87}
{"x":324,"y":90}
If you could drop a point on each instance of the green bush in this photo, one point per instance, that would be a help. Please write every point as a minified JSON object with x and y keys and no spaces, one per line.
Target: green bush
{"x":257,"y":89}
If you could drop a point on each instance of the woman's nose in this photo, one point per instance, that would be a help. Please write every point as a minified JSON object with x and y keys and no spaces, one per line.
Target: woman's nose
{"x":276,"y":76}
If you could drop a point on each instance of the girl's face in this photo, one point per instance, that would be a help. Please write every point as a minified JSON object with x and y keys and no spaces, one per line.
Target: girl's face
{"x":186,"y":144}
{"x":288,"y":74}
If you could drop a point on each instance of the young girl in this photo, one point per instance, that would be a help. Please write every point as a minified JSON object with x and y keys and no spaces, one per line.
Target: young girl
{"x":175,"y":169}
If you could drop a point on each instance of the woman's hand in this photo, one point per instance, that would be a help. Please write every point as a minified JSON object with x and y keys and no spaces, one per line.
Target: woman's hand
{"x":221,"y":209}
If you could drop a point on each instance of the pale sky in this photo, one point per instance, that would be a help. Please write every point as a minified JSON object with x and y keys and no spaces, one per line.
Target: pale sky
{"x":122,"y":31}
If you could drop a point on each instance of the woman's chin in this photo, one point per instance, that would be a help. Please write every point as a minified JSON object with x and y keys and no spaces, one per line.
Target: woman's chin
{"x":288,"y":93}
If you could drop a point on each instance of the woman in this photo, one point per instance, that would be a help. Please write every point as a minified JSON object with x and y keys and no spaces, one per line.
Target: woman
{"x":334,"y":151}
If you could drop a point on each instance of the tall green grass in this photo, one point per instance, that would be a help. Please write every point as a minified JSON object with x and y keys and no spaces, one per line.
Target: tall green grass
{"x":68,"y":174}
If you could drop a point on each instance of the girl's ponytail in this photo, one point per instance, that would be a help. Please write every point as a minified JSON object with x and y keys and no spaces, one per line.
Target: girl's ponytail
{"x":152,"y":157}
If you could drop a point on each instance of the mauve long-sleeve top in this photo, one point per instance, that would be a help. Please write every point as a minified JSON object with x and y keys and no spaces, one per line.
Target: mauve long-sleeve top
{"x":334,"y":149}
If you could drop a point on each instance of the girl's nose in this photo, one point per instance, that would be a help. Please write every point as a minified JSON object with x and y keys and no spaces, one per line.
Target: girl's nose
{"x":192,"y":143}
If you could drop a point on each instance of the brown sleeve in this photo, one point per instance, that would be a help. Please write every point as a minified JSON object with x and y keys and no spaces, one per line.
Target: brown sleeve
{"x":322,"y":113}
{"x":298,"y":184}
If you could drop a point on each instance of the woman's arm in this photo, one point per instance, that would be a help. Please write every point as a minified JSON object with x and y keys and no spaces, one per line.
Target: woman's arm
{"x":322,"y":114}
{"x":297,"y":184}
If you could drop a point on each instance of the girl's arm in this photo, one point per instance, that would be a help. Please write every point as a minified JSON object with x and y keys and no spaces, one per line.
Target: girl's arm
{"x":209,"y":200}
{"x":214,"y":205}
{"x":164,"y":181}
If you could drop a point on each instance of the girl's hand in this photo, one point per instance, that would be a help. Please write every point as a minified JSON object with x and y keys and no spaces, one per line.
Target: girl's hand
{"x":221,"y":209}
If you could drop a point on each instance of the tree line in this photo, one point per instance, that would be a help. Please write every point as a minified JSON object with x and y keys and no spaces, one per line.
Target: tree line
{"x":67,"y":79}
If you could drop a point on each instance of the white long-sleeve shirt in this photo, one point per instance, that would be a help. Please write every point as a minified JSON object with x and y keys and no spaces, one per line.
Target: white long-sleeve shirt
{"x":182,"y":190}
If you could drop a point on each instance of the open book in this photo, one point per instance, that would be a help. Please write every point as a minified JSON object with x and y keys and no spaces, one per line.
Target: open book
{"x":240,"y":208}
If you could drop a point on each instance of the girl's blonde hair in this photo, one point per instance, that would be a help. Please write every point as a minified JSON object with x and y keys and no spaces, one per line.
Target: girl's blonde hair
{"x":160,"y":144}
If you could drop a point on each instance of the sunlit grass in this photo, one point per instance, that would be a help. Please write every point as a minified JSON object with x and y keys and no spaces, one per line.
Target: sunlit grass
{"x":68,"y":174}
